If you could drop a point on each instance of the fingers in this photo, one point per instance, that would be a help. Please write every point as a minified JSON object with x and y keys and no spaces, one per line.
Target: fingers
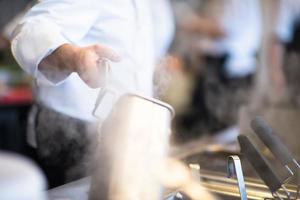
{"x":95,"y":75}
{"x":92,"y":78}
{"x":90,"y":64}
{"x":107,"y":52}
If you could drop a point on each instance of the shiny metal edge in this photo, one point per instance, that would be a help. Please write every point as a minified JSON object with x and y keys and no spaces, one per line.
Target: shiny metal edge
{"x":153,"y":100}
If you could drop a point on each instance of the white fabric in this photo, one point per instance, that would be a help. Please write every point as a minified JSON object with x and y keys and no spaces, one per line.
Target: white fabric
{"x":20,"y":179}
{"x":288,"y":13}
{"x":124,"y":25}
{"x":164,"y":26}
{"x":241,"y":22}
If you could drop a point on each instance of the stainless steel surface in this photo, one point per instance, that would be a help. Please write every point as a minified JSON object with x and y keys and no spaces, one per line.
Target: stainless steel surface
{"x":234,"y":167}
{"x":212,"y":175}
{"x":134,"y":142}
{"x":227,"y":189}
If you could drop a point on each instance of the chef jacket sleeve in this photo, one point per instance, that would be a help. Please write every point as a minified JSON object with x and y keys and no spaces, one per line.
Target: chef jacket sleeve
{"x":48,"y":25}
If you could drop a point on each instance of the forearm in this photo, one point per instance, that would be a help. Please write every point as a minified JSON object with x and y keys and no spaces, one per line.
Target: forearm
{"x":276,"y":56}
{"x":45,"y":28}
{"x":202,"y":26}
{"x":87,"y":62}
{"x":276,"y":53}
{"x":59,"y":64}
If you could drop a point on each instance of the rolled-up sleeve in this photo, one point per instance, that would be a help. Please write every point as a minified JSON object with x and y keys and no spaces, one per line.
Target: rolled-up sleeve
{"x":48,"y":25}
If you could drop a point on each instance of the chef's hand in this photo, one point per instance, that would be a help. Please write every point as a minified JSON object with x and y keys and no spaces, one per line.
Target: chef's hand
{"x":86,"y":61}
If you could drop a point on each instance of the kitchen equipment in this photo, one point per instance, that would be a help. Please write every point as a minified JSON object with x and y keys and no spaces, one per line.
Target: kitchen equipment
{"x":234,"y":167}
{"x":262,"y":167}
{"x":269,"y":138}
{"x":279,"y":150}
{"x":133,"y":143}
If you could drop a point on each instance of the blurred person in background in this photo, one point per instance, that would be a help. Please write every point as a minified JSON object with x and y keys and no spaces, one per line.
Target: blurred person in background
{"x":64,"y":45}
{"x":225,"y":39}
{"x":284,"y":53}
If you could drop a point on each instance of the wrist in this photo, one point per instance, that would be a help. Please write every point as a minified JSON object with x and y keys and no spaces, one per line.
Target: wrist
{"x":67,"y":54}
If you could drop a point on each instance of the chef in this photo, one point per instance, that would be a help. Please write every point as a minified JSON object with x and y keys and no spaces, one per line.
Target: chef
{"x":66,"y":45}
{"x":227,"y":36}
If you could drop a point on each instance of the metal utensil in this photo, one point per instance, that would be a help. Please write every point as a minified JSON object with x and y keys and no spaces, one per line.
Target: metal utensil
{"x":234,"y":167}
{"x":262,"y":166}
{"x":269,"y":138}
{"x":134,"y":141}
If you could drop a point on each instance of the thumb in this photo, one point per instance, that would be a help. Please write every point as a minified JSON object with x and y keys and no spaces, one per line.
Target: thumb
{"x":107,"y":52}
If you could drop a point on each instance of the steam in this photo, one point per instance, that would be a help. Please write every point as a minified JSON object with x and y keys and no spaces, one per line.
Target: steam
{"x":64,"y":141}
{"x":177,"y":176}
{"x":163,"y":75}
{"x":130,"y":150}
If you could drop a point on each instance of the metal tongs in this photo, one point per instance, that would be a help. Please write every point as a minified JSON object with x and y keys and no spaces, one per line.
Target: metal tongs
{"x":269,"y":138}
{"x":279,"y":150}
{"x":234,"y":167}
{"x":281,"y":170}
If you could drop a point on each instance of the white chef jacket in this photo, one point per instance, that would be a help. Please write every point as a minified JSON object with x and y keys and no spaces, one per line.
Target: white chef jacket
{"x":241,"y":22}
{"x":287,"y":16}
{"x":124,"y":25}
